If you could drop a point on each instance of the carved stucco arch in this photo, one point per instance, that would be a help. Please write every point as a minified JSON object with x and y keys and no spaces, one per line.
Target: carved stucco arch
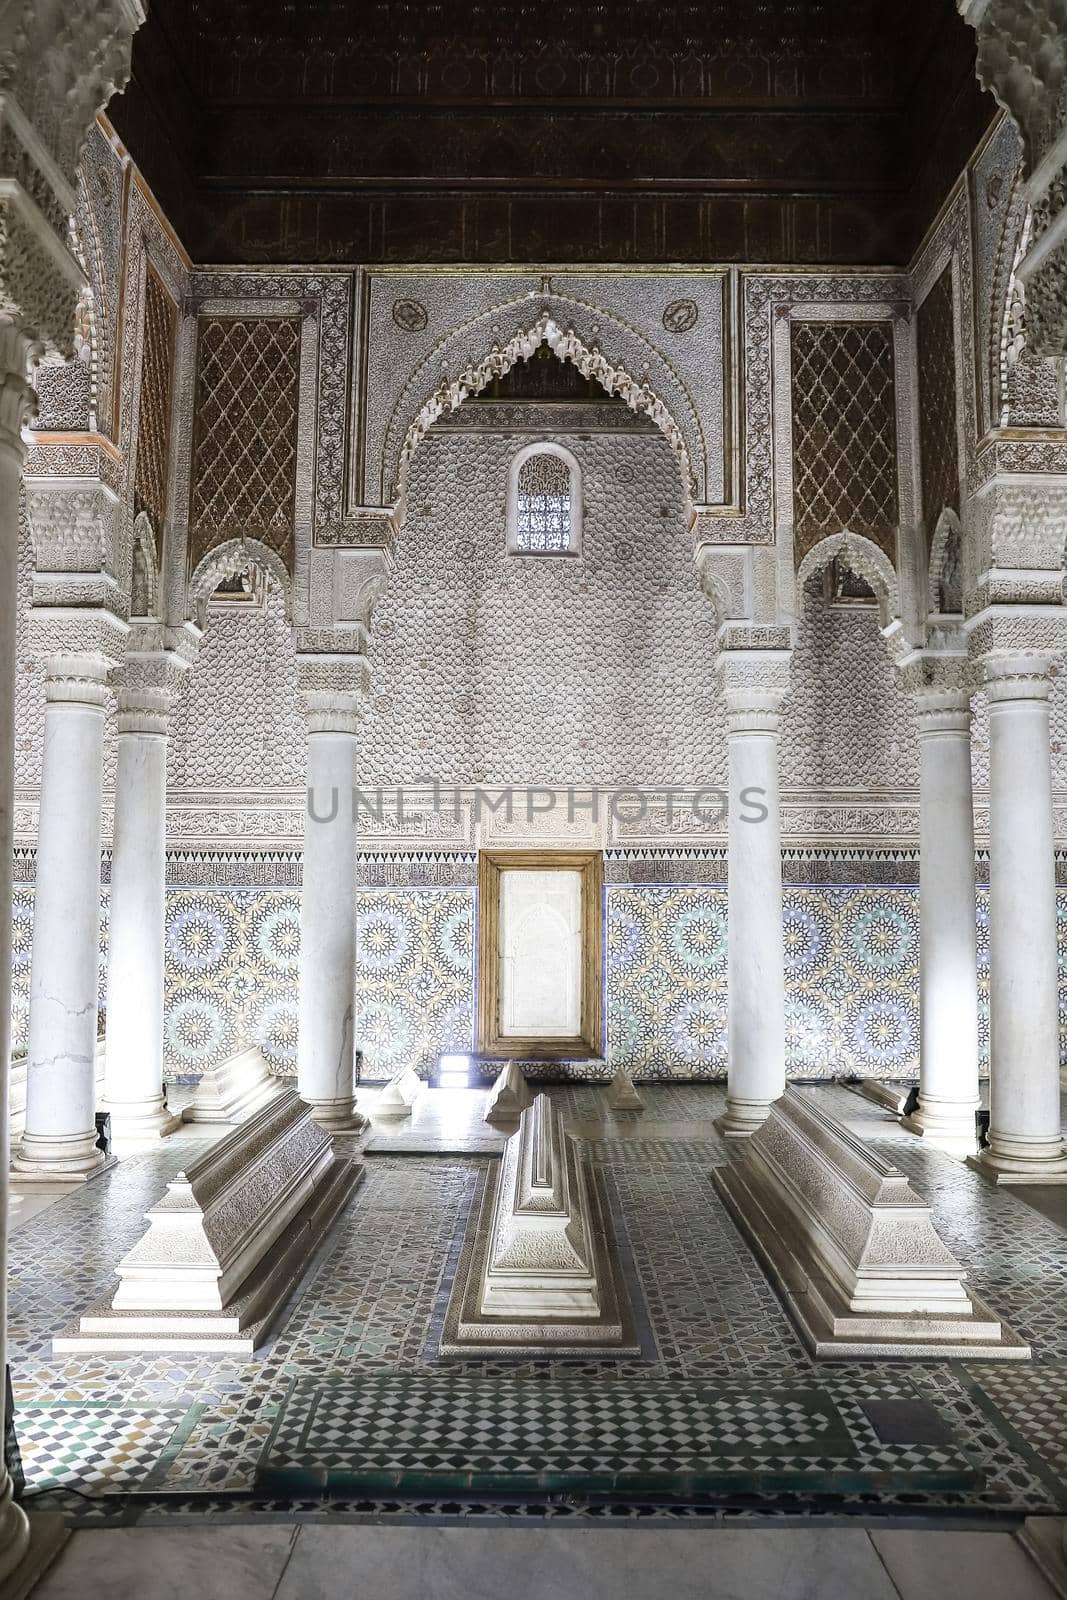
{"x":433,"y":391}
{"x":863,"y":557}
{"x":1011,"y":248}
{"x":225,"y":561}
{"x":144,"y":547}
{"x":948,"y":528}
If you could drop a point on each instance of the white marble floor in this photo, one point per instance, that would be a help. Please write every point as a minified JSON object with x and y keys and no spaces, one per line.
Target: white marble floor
{"x":313,"y":1562}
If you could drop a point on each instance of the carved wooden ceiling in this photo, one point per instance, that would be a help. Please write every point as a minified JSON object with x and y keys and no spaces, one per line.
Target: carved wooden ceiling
{"x":578,"y":130}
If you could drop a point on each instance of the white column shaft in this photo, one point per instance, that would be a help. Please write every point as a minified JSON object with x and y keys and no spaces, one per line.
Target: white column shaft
{"x":328,"y":932}
{"x":948,"y":981}
{"x":14,"y":1528}
{"x":756,"y":950}
{"x":1024,"y":1131}
{"x":60,"y":1132}
{"x":134,"y":1074}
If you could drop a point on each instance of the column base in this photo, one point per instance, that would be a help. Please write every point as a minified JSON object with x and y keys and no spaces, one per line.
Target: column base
{"x":1009,"y":1161}
{"x":337,"y":1116}
{"x":38,"y":1545}
{"x":947,"y":1125}
{"x":59,"y":1158}
{"x":1045,"y":1541}
{"x":742,"y":1117}
{"x":140,"y":1121}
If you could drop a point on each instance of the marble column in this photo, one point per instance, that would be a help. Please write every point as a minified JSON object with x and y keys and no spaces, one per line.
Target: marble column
{"x":133,"y":1084}
{"x":1025,"y":1143}
{"x":16,"y":399}
{"x":328,"y":914}
{"x":948,"y":967}
{"x":60,"y":1134}
{"x":754,"y":685}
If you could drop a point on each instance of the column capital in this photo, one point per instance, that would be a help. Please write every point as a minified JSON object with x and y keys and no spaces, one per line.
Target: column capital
{"x":1013,"y":678}
{"x":1014,"y":647}
{"x":754,"y":683}
{"x":331,"y":691}
{"x":76,"y":680}
{"x":940,"y":687}
{"x":148,"y":683}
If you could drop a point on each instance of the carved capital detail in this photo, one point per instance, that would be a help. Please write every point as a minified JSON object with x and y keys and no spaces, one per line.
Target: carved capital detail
{"x":346,"y":586}
{"x":149,"y":680}
{"x":76,"y":678}
{"x":331,"y":690}
{"x":754,"y":683}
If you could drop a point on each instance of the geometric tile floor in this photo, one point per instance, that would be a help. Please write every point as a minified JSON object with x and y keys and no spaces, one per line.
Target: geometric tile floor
{"x":458,"y":1434}
{"x":724,"y":1407}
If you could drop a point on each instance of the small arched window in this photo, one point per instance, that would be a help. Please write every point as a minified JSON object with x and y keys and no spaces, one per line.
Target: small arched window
{"x":544,"y":502}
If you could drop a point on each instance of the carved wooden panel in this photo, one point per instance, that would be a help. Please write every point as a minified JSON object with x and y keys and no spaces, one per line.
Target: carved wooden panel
{"x":153,"y":417}
{"x":844,"y":433}
{"x":245,"y":434}
{"x":938,"y":438}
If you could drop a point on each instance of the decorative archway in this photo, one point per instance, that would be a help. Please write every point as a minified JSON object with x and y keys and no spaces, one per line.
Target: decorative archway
{"x":225,"y":561}
{"x":1006,"y":306}
{"x":144,"y":572}
{"x":947,"y":545}
{"x":640,"y":395}
{"x":864,"y":557}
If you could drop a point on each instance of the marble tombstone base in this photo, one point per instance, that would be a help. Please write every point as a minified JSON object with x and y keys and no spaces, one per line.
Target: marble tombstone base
{"x":234,"y":1089}
{"x":849,"y":1245}
{"x":399,"y":1096}
{"x":228,"y":1242}
{"x":622,"y":1096}
{"x":509,"y":1097}
{"x":539,"y":1271}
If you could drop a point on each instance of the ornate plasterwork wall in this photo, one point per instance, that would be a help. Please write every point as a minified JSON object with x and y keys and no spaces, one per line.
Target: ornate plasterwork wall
{"x":519,"y":669}
{"x":662,"y":328}
{"x":489,"y":669}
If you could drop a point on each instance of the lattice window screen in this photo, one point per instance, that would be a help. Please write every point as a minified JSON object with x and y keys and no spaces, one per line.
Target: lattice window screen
{"x":844,"y":433}
{"x":938,"y":439}
{"x":153,"y":424}
{"x":245,"y":434}
{"x":543,"y":519}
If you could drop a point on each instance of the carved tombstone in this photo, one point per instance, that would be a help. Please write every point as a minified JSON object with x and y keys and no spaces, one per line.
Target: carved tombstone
{"x":399,"y":1096}
{"x":510,"y":1095}
{"x":234,"y":1089}
{"x":228,"y":1242}
{"x":850,"y":1246}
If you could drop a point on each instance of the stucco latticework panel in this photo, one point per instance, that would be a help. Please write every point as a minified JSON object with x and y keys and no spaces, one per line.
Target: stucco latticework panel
{"x":245,"y":434}
{"x":844,"y":433}
{"x":938,"y":436}
{"x":153,"y":425}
